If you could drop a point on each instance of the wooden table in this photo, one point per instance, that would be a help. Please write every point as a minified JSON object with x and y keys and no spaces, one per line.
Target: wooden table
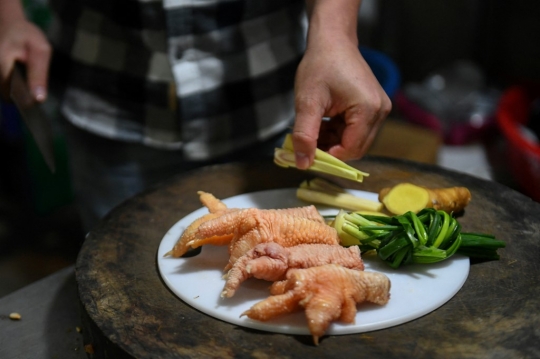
{"x":129,"y":312}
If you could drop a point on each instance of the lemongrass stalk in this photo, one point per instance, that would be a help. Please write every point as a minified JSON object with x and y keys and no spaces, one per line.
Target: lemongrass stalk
{"x":285,"y":158}
{"x":323,"y":162}
{"x":338,"y":200}
{"x":320,"y":184}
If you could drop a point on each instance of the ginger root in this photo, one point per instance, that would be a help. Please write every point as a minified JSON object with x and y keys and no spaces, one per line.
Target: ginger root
{"x":406,"y":197}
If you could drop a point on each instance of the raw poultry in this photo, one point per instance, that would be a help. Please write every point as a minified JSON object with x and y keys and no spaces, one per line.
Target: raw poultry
{"x":327,"y":293}
{"x":270,"y":261}
{"x":321,"y":276}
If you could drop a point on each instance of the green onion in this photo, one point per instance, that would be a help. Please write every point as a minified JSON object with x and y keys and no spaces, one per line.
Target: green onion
{"x":420,"y":229}
{"x":480,"y":246}
{"x":427,"y":237}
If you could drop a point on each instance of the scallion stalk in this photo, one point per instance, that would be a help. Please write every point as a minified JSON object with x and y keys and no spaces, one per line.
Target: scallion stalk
{"x":427,"y":237}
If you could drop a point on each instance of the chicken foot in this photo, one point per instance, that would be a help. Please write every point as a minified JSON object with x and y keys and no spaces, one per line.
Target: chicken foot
{"x":271,"y":261}
{"x":328,"y":293}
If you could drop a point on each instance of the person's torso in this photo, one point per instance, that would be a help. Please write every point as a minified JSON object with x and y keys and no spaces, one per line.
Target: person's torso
{"x":204,"y":76}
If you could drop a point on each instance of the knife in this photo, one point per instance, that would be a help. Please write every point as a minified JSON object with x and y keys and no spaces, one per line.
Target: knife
{"x":33,"y":115}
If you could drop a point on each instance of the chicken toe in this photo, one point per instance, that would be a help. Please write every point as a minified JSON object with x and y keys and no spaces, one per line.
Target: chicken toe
{"x":328,"y":293}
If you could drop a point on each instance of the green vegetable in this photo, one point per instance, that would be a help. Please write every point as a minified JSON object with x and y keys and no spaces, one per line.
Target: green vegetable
{"x":323,"y":162}
{"x":427,"y":237}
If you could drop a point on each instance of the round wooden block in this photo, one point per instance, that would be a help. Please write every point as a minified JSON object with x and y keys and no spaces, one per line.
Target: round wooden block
{"x":129,"y":312}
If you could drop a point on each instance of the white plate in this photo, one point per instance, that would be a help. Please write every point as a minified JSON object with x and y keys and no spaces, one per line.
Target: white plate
{"x":416,"y":289}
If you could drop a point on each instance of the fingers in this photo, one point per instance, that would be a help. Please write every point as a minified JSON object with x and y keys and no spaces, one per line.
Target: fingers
{"x":347,"y":136}
{"x":37,"y":69}
{"x":24,"y":42}
{"x":7,"y":61}
{"x":361,"y":128}
{"x":309,"y":113}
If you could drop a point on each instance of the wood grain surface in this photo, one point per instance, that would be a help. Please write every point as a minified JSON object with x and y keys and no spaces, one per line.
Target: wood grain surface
{"x":129,"y":311}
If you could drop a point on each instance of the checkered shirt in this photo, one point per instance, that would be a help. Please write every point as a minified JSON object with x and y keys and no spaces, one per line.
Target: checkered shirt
{"x":203,"y":76}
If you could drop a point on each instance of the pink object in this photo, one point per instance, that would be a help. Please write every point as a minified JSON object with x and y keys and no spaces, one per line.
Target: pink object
{"x":455,"y":134}
{"x":416,"y":114}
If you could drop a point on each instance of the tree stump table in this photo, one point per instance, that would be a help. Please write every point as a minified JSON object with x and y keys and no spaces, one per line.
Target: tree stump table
{"x":128,"y":312}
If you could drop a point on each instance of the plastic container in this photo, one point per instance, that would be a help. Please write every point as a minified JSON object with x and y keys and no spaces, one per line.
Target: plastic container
{"x":384,"y":69}
{"x":513,"y":114}
{"x":454,"y":102}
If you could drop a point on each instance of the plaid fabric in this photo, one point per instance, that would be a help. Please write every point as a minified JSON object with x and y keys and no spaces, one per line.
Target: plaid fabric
{"x":204,"y":76}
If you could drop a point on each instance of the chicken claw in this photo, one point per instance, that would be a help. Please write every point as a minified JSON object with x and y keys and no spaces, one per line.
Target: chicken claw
{"x":213,"y":204}
{"x":329,"y":292}
{"x":252,"y":226}
{"x":215,"y":208}
{"x":270,"y":261}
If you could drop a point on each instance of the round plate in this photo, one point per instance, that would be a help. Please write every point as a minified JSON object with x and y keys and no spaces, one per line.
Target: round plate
{"x":416,"y":289}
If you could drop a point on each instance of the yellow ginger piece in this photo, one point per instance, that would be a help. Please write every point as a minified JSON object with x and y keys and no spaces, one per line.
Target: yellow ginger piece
{"x":406,"y":197}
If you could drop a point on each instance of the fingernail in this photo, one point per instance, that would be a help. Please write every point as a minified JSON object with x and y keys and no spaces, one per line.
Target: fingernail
{"x":39,"y":93}
{"x":302,"y":160}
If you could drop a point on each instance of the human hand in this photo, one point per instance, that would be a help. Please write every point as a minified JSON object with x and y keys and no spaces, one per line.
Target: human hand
{"x":336,"y":82}
{"x":333,"y":80}
{"x":21,"y":40}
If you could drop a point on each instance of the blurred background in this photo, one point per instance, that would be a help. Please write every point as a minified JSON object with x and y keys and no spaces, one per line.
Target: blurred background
{"x":463,"y":76}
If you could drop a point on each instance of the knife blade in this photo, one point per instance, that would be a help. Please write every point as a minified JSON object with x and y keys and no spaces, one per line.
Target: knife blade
{"x":33,"y":115}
